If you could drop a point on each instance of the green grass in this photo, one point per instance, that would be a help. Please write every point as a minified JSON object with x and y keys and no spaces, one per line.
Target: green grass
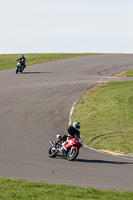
{"x":25,"y":190}
{"x":129,"y":73}
{"x":8,"y":61}
{"x":106,"y":116}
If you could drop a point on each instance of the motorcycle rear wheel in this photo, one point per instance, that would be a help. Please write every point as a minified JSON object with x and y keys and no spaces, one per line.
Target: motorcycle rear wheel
{"x":52,"y":152}
{"x":72,"y":155}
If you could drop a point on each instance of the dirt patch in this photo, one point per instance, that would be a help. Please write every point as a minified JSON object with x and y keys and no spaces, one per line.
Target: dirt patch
{"x":121,"y":74}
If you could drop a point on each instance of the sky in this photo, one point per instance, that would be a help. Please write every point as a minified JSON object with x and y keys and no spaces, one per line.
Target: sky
{"x":66,"y":26}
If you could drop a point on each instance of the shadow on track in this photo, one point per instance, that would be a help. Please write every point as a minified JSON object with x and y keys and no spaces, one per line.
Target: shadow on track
{"x":102,"y":161}
{"x":36,"y":72}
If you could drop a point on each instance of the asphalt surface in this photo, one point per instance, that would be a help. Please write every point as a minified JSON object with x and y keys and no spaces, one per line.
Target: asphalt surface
{"x":35,"y":106}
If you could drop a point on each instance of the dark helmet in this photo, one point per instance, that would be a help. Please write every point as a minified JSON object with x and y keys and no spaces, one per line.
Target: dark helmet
{"x":22,"y":56}
{"x":76,"y":125}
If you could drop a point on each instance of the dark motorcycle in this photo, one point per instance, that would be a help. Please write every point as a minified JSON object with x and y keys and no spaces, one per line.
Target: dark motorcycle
{"x":68,"y":149}
{"x":20,"y":66}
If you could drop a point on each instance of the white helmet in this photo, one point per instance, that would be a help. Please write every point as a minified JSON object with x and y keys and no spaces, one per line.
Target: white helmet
{"x":76,"y":125}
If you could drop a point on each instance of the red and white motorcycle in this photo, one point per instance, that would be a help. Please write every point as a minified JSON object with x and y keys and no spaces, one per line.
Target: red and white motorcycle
{"x":69,"y":148}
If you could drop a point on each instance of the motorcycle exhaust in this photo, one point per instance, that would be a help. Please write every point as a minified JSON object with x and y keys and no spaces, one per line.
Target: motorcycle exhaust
{"x":52,"y":143}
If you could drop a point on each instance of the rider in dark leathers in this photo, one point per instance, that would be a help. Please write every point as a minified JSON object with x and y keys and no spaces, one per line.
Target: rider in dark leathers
{"x":71,"y":132}
{"x":22,"y":59}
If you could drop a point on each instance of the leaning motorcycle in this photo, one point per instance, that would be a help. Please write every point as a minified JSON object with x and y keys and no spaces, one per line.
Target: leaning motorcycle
{"x":20,"y":66}
{"x":69,"y":148}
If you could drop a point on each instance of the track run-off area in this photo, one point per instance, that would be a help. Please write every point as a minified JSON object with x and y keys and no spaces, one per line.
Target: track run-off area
{"x":35,"y":106}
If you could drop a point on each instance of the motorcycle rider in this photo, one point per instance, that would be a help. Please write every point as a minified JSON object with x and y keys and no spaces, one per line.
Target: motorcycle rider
{"x":22,"y":59}
{"x":71,"y":132}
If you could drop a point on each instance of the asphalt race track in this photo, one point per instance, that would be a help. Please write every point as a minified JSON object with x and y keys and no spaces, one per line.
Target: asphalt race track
{"x":35,"y":106}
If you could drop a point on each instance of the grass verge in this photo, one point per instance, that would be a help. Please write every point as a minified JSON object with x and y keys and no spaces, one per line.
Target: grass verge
{"x":106,"y":116}
{"x":129,"y":73}
{"x":19,"y":189}
{"x":8,"y":61}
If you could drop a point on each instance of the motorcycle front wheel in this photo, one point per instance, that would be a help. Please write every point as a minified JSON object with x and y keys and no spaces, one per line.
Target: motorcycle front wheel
{"x":72,"y":154}
{"x":16,"y":70}
{"x":52,"y":152}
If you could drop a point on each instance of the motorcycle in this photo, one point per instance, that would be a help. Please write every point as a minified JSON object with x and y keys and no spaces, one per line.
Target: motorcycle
{"x":20,"y":66}
{"x":69,"y":148}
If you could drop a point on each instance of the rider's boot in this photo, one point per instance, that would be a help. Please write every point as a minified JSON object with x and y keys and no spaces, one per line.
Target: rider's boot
{"x":55,"y":144}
